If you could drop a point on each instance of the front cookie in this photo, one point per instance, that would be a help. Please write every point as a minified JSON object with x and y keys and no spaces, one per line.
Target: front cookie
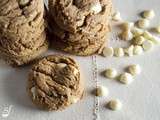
{"x":54,"y":83}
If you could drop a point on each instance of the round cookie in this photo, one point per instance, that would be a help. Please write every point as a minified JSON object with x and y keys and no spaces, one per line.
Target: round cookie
{"x":75,"y":15}
{"x":22,"y":30}
{"x":54,"y":83}
{"x":79,"y":43}
{"x":18,"y":60}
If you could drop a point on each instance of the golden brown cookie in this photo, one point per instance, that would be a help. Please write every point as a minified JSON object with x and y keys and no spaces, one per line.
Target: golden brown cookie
{"x":54,"y":83}
{"x":22,"y":30}
{"x":87,"y":38}
{"x":76,"y":15}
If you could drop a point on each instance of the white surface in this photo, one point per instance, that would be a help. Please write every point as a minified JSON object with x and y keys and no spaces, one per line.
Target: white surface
{"x":141,"y":99}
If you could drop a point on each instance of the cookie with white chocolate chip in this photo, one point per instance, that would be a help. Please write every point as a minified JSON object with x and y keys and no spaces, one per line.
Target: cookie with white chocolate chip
{"x":80,"y":26}
{"x":22,"y":30}
{"x":54,"y":83}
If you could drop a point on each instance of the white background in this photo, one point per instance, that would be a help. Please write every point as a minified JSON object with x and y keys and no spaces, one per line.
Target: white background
{"x":141,"y":100}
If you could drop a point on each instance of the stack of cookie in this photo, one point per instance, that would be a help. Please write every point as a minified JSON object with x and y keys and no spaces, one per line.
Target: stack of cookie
{"x":22,"y":30}
{"x":79,"y":27}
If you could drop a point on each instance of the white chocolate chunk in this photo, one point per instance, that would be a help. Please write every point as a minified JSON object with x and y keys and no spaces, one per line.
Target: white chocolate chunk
{"x":129,"y":51}
{"x":33,"y":91}
{"x":126,"y":35}
{"x":119,"y":52}
{"x":150,"y":37}
{"x":147,"y":45}
{"x":23,"y":2}
{"x":116,"y":16}
{"x":115,"y":104}
{"x":101,"y":91}
{"x":138,"y":40}
{"x":74,"y":100}
{"x":108,"y":52}
{"x":134,"y":69}
{"x":147,"y":35}
{"x":61,"y":65}
{"x":127,"y":25}
{"x":126,"y":78}
{"x":96,"y":8}
{"x":110,"y":73}
{"x":143,"y":23}
{"x":148,"y":14}
{"x":137,"y":31}
{"x":137,"y":50}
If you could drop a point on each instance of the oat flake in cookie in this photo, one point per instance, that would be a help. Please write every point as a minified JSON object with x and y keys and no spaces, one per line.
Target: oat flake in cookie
{"x":54,"y":83}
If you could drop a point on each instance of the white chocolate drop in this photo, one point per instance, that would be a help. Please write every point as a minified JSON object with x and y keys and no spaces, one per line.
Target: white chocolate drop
{"x":137,"y":50}
{"x":115,"y":104}
{"x":110,"y":73}
{"x":108,"y":52}
{"x":101,"y":91}
{"x":126,"y":78}
{"x":143,"y":23}
{"x":134,"y":69}
{"x":118,"y":52}
{"x":148,"y":14}
{"x":129,"y":51}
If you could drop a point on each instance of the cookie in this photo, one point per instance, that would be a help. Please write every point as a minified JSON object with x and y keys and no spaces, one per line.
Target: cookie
{"x":54,"y":83}
{"x":80,"y":43}
{"x":18,"y":60}
{"x":76,"y":15}
{"x":85,"y":39}
{"x":22,"y":30}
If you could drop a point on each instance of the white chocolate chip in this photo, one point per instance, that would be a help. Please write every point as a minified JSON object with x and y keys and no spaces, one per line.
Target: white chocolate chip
{"x":101,"y":91}
{"x":115,"y":104}
{"x":157,"y":29}
{"x":74,"y":100}
{"x":138,"y":40}
{"x":148,"y":14}
{"x":116,"y":16}
{"x":96,"y":8}
{"x":143,"y":23}
{"x":147,"y":45}
{"x":137,"y":50}
{"x":126,"y":78}
{"x":110,"y":73}
{"x":137,"y":31}
{"x":23,"y":2}
{"x":119,"y":52}
{"x":61,"y":65}
{"x":33,"y":91}
{"x":134,"y":69}
{"x":129,"y":50}
{"x":127,"y":25}
{"x":150,"y":37}
{"x":126,"y":35}
{"x":147,"y":35}
{"x":108,"y":52}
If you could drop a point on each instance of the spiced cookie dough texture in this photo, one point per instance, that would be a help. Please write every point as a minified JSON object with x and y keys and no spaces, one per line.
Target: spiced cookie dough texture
{"x":54,"y":83}
{"x":80,"y":26}
{"x":22,"y":30}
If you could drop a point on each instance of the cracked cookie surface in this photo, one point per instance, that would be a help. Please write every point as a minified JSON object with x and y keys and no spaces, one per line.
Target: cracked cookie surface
{"x":54,"y":83}
{"x":76,"y":15}
{"x":79,"y":27}
{"x":22,"y":30}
